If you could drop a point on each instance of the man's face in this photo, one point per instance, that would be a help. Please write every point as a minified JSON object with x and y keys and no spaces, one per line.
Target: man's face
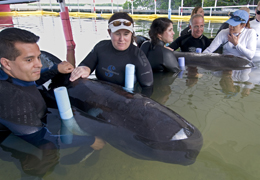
{"x":197,"y":27}
{"x":27,"y":66}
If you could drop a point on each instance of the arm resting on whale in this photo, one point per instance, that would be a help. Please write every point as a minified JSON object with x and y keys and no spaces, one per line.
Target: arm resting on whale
{"x":41,"y":135}
{"x":86,"y":67}
{"x":80,"y":72}
{"x":46,"y":74}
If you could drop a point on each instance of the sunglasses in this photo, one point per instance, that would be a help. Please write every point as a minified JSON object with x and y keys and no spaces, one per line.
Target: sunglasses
{"x":237,"y":18}
{"x":118,"y":23}
{"x":257,"y":12}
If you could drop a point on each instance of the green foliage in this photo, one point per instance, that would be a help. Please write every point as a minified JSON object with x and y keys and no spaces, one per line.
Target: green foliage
{"x":128,"y":5}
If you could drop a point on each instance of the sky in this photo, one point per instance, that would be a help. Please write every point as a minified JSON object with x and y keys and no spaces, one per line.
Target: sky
{"x":85,"y":1}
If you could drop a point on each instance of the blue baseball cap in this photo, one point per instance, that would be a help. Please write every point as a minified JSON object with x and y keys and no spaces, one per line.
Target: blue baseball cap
{"x":238,"y":17}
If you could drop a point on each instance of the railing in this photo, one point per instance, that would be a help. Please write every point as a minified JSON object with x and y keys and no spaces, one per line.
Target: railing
{"x":217,"y":7}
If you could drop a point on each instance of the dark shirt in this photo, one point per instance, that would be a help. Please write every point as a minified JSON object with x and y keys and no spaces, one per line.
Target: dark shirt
{"x":223,"y":26}
{"x":160,"y":58}
{"x":110,"y":63}
{"x":188,"y":43}
{"x":186,"y":31}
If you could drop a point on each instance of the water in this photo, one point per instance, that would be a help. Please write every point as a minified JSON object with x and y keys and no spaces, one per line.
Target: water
{"x":223,"y":106}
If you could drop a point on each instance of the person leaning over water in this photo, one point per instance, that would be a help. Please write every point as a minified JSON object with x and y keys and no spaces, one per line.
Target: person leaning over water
{"x":225,"y":25}
{"x":109,"y":57}
{"x":196,"y":10}
{"x":160,"y":58}
{"x":255,"y":24}
{"x":23,"y":110}
{"x":196,"y":39}
{"x":238,"y":40}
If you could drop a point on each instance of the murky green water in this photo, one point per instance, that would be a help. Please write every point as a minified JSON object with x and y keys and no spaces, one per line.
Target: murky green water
{"x":223,"y":106}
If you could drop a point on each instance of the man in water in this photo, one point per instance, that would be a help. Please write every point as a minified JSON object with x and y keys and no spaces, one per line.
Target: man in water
{"x":22,"y":108}
{"x":189,"y":42}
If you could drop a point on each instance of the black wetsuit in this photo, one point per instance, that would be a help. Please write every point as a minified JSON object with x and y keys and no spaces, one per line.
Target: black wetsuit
{"x":23,"y":109}
{"x":110,"y":63}
{"x":186,"y":31}
{"x":223,"y":26}
{"x":188,"y":43}
{"x":160,"y":58}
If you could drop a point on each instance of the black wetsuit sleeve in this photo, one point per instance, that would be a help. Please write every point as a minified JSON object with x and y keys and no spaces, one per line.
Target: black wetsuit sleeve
{"x":47,"y":74}
{"x":170,"y":62}
{"x":144,"y":73}
{"x":40,"y":135}
{"x":223,"y":26}
{"x":91,"y":59}
{"x":146,"y":47}
{"x":19,"y":129}
{"x":186,"y":31}
{"x":176,"y":44}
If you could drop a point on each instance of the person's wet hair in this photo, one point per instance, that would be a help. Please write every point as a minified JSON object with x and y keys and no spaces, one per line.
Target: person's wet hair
{"x":158,"y":26}
{"x":8,"y":38}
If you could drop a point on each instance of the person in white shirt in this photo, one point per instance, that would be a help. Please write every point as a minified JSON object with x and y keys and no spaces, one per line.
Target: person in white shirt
{"x":255,"y":24}
{"x":238,"y":40}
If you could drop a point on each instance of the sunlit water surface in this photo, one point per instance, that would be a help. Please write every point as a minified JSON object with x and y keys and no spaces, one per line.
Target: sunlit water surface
{"x":224,"y":107}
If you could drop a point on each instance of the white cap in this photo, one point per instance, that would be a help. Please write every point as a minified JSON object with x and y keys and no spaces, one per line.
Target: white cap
{"x":121,"y":26}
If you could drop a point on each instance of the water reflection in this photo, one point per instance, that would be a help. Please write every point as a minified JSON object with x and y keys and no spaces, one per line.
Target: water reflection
{"x":192,"y":76}
{"x":238,"y":81}
{"x":162,"y":86}
{"x":39,"y":155}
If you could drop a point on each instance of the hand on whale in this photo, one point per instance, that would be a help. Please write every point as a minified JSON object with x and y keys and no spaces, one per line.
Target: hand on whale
{"x":131,"y":122}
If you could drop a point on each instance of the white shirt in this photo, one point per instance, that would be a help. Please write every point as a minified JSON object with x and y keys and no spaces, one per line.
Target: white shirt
{"x":256,"y":26}
{"x":245,"y":48}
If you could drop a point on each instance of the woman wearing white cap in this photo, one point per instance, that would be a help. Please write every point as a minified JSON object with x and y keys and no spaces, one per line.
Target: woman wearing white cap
{"x":255,"y":24}
{"x":238,"y":40}
{"x":109,"y":57}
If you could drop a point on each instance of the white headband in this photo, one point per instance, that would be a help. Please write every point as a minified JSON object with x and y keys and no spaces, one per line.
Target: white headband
{"x":121,"y":26}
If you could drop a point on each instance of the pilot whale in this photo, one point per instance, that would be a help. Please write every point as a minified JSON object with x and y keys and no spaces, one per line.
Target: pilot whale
{"x":214,"y":61}
{"x":131,"y":122}
{"x":209,"y":61}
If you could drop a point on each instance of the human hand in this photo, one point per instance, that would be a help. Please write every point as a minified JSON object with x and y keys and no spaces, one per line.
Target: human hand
{"x":65,"y":67}
{"x":233,"y":39}
{"x":81,"y":71}
{"x":169,"y":48}
{"x":98,"y":144}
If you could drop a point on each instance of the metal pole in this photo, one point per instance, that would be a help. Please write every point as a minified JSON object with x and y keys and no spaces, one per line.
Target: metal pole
{"x":94,"y":4}
{"x":169,"y":10}
{"x":112,"y":6}
{"x":62,"y":5}
{"x":65,"y":19}
{"x":181,"y":6}
{"x":132,"y":6}
{"x":154,"y":6}
{"x":216,"y":4}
